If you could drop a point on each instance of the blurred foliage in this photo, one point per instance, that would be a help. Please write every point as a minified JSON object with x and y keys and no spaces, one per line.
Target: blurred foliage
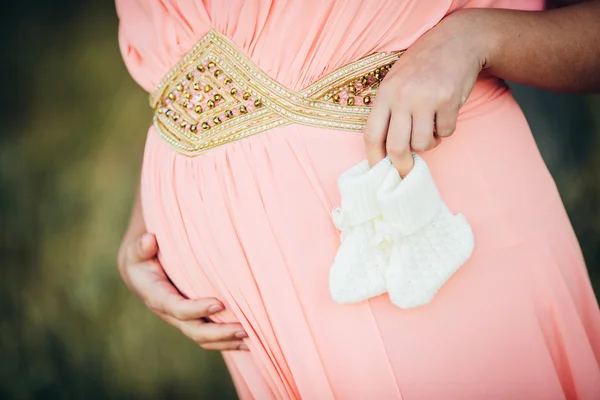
{"x":74,"y":129}
{"x":74,"y":125}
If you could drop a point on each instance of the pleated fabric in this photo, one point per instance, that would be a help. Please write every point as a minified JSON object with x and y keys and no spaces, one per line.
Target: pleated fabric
{"x":249,"y":223}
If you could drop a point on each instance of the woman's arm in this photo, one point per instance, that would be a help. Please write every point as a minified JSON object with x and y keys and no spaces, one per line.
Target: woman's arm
{"x":423,"y":92}
{"x":556,"y":50}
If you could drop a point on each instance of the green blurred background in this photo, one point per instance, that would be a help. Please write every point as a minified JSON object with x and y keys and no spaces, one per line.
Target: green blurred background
{"x":74,"y":125}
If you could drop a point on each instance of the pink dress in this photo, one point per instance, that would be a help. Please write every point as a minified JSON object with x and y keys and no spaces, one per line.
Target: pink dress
{"x":249,"y":223}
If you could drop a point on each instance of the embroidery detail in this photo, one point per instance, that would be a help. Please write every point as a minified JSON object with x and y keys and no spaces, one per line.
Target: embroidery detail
{"x":216,"y":95}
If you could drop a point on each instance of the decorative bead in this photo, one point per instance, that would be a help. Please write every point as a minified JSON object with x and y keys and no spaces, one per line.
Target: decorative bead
{"x":217,"y":120}
{"x":210,"y":104}
{"x":228,"y":113}
{"x":160,"y":110}
{"x":217,"y":97}
{"x":171,"y":96}
{"x":175,"y":117}
{"x":377,"y":76}
{"x":198,"y":109}
{"x":183,"y":124}
{"x":227,"y":80}
{"x":336,"y":98}
{"x":257,"y":103}
{"x":187,"y":95}
{"x":207,"y":88}
{"x":200,"y":68}
{"x":233,"y":91}
{"x":205,"y":125}
{"x":189,"y":76}
{"x":350,"y":101}
{"x":179,"y":87}
{"x":352,"y":89}
{"x":243,"y":109}
{"x":367,"y":99}
{"x":246,"y":96}
{"x":217,"y":73}
{"x":364,"y":80}
{"x":211,"y":64}
{"x":196,"y":86}
{"x":185,"y":103}
{"x":193,"y":128}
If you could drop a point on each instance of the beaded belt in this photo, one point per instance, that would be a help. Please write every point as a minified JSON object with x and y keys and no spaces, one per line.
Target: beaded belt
{"x":216,"y":95}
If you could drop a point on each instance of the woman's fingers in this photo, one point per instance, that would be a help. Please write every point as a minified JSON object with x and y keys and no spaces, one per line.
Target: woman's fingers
{"x":226,"y":346}
{"x":213,"y":336}
{"x":163,"y":298}
{"x":150,"y":282}
{"x":422,"y":137}
{"x":375,"y":132}
{"x":398,"y":141}
{"x":202,"y":332}
{"x":187,"y":309}
{"x":146,"y":277}
{"x":210,"y":336}
{"x":142,"y":249}
{"x":445,"y":121}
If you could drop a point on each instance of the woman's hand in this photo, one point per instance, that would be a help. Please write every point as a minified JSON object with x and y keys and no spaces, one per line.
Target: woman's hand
{"x":418,"y":101}
{"x":144,"y":275}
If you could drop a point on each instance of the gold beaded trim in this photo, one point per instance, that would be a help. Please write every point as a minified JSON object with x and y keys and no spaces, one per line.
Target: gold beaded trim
{"x":216,"y":95}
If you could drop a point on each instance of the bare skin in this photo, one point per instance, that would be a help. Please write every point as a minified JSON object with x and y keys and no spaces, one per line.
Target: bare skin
{"x":555,"y":50}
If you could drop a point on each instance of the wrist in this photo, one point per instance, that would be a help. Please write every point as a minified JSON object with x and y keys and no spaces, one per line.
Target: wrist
{"x":478,"y":29}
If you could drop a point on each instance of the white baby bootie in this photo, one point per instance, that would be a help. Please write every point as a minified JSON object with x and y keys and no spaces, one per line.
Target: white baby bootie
{"x":429,"y":242}
{"x":361,"y":260}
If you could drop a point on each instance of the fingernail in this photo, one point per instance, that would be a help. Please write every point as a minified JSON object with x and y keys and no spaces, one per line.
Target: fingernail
{"x":244,"y":347}
{"x":241,"y":335}
{"x":215,"y":308}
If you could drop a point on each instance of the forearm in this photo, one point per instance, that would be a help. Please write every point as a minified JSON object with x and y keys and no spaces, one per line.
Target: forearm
{"x":555,"y":50}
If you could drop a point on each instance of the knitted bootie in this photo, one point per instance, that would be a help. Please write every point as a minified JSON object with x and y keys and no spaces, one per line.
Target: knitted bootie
{"x":429,"y":242}
{"x":361,"y":260}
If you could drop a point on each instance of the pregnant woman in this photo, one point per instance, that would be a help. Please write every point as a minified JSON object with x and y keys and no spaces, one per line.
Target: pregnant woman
{"x":260,"y":105}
